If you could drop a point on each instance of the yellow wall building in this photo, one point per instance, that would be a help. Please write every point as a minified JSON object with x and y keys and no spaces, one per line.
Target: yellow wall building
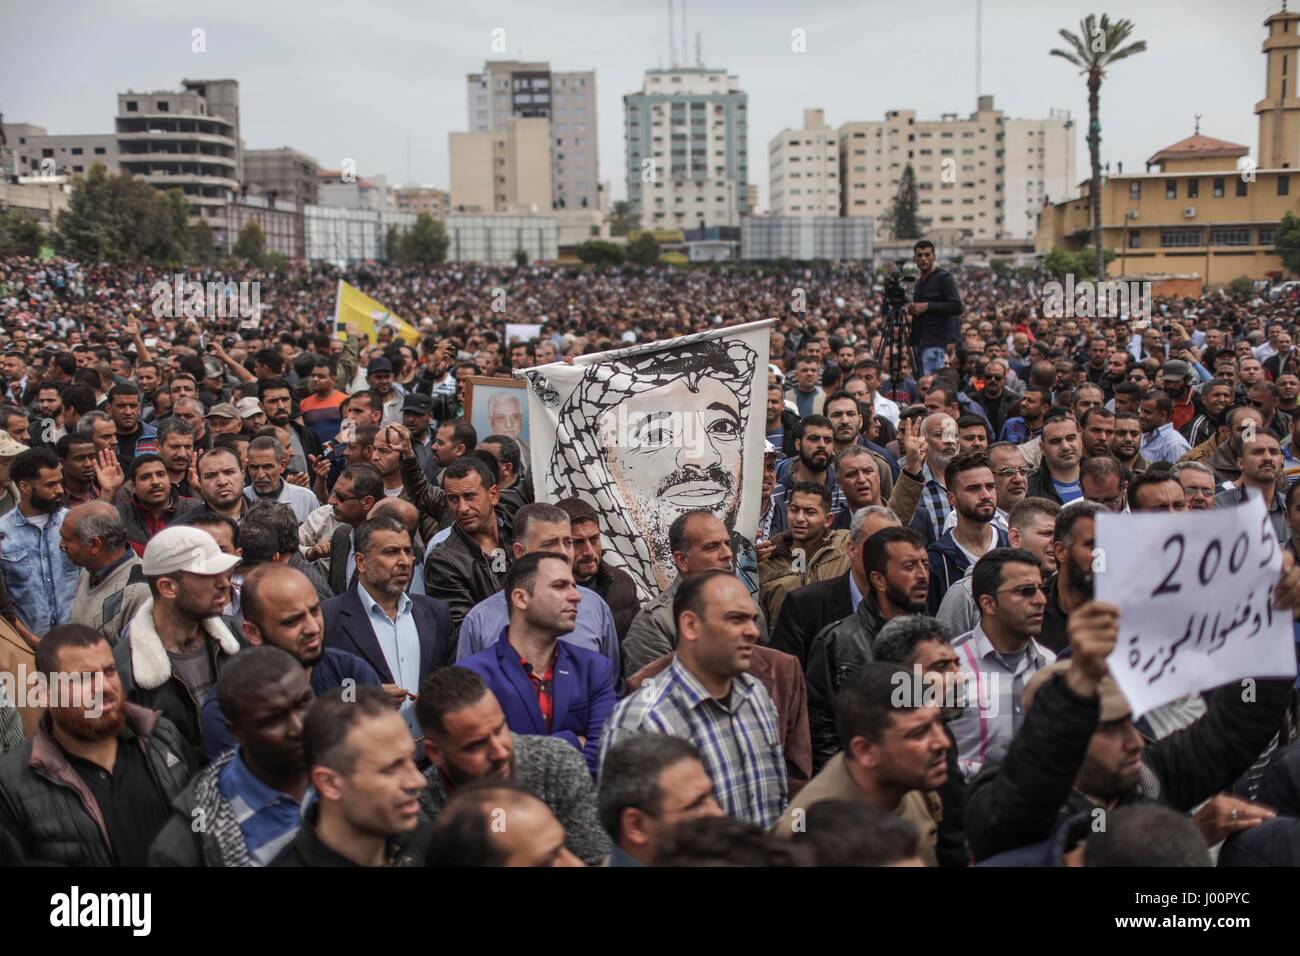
{"x":1202,"y":207}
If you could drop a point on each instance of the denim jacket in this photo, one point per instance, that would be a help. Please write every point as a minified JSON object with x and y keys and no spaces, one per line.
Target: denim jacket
{"x":41,"y":579}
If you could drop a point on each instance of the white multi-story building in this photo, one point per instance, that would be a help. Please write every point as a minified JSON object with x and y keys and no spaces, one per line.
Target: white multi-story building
{"x":509,"y":89}
{"x":804,"y":170}
{"x":1040,"y":168}
{"x":687,"y":142}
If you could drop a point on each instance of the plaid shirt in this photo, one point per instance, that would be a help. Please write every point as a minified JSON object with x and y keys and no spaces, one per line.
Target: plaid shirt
{"x":740,"y":741}
{"x":784,"y":489}
{"x":932,"y":510}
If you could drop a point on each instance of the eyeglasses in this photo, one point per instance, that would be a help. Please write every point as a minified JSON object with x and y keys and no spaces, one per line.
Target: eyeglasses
{"x":1026,"y":591}
{"x":1008,"y":472}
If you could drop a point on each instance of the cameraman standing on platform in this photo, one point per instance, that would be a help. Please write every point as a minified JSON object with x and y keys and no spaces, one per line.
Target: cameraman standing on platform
{"x":935,"y":307}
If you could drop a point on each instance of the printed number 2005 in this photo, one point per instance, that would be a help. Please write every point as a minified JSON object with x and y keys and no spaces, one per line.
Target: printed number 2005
{"x":1212,"y":557}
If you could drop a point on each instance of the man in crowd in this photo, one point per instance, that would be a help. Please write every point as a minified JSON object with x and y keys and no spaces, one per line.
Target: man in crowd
{"x":175,"y":647}
{"x":1160,"y":441}
{"x":1074,"y":540}
{"x":221,"y":485}
{"x":133,"y":436}
{"x":649,"y":784}
{"x":402,"y":636}
{"x":547,"y":686}
{"x":708,"y":698}
{"x":892,"y":754}
{"x":467,"y":739}
{"x":362,"y":768}
{"x":542,"y":528}
{"x":469,"y":565}
{"x":806,"y":553}
{"x":1026,"y":426}
{"x":1198,"y":484}
{"x":320,"y":409}
{"x":248,"y":798}
{"x":973,"y":495}
{"x":1127,"y":442}
{"x":94,"y":784}
{"x":111,"y":587}
{"x":153,"y":503}
{"x":41,"y":579}
{"x":940,"y":433}
{"x":1057,"y":478}
{"x":266,"y":470}
{"x":898,"y":576}
{"x":355,"y":493}
{"x":1097,"y":427}
{"x":1000,"y":655}
{"x":614,"y":585}
{"x":175,"y":439}
{"x":77,"y":459}
{"x":1261,"y":464}
{"x":993,"y":398}
{"x":276,"y":398}
{"x":1102,"y":481}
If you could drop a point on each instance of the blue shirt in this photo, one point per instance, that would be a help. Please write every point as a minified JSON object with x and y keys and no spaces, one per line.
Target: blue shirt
{"x":1067,"y":490}
{"x":1164,"y":444}
{"x":855,"y":596}
{"x":400,"y":642}
{"x":267,"y":818}
{"x":593,"y":630}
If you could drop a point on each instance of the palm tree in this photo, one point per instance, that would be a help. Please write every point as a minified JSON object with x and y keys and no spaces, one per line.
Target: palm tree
{"x":1097,"y":45}
{"x":622,"y":218}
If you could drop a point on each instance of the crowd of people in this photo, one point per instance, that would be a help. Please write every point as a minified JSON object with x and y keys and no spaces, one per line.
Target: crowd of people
{"x":316,"y":619}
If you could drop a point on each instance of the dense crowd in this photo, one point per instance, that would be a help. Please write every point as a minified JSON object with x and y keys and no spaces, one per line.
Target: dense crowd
{"x":313,"y":618}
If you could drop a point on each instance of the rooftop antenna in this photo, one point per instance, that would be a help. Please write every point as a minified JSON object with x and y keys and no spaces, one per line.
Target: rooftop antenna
{"x":1198,"y":124}
{"x":686,"y":37}
{"x":699,"y":50}
{"x":979,"y":84}
{"x":672,"y":38}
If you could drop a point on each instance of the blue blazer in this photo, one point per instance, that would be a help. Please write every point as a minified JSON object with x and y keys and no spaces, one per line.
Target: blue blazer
{"x":582,"y":696}
{"x":348,"y":628}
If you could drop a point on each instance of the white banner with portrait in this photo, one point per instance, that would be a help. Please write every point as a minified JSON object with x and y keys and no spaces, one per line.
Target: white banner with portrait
{"x":647,"y":433}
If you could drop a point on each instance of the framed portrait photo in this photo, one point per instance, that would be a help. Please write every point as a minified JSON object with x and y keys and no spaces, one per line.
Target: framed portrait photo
{"x":498,"y":406}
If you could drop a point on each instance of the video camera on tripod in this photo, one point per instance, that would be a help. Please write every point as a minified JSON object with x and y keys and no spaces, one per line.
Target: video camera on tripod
{"x":895,"y":294}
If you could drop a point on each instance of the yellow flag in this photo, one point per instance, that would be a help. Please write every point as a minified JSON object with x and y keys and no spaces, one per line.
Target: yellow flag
{"x":354,"y":307}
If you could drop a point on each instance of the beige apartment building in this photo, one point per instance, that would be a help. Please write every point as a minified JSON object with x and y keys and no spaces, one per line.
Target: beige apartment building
{"x":418,"y":199}
{"x":506,"y":171}
{"x":804,"y":169}
{"x":980,"y":175}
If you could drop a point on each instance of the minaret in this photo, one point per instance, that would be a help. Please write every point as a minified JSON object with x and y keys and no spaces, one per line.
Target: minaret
{"x":1279,"y":110}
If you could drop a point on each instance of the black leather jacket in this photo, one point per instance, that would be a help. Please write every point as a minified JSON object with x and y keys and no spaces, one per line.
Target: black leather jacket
{"x":459,"y":573}
{"x":833,"y":656}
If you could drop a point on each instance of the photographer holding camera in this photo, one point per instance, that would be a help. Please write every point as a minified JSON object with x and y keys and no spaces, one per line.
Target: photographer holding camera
{"x":935,"y":309}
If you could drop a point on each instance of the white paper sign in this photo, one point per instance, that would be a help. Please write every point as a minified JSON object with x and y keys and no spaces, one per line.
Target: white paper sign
{"x":522,"y":331}
{"x":1195,"y":593}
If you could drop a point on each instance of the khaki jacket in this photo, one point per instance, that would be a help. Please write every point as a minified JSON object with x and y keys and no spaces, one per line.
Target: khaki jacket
{"x":782,"y":573}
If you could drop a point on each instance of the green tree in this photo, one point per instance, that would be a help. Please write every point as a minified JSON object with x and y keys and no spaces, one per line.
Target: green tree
{"x":1288,"y":241}
{"x":251,"y":244}
{"x":597,"y":252}
{"x":121,"y":219}
{"x":1080,"y":264}
{"x":202,"y":247}
{"x":425,"y":244}
{"x":1098,"y":44}
{"x":643,"y":250}
{"x":901,"y":217}
{"x":20,"y":234}
{"x":623,"y":218}
{"x":521,"y":257}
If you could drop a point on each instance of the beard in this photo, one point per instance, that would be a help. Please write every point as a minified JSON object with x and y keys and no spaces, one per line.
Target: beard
{"x":903,"y":599}
{"x":74,"y":722}
{"x":817,"y":462}
{"x":1079,"y":579}
{"x":980,"y":514}
{"x":47,"y":505}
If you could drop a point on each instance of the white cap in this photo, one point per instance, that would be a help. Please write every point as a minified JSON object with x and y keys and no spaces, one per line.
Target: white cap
{"x":769,"y":448}
{"x":185,"y":549}
{"x":248,"y":407}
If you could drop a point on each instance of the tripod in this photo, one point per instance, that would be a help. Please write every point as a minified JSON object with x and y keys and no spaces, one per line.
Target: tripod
{"x":897,"y":337}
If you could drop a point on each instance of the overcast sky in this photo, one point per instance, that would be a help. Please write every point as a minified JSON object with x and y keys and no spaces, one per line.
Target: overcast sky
{"x":361,"y":78}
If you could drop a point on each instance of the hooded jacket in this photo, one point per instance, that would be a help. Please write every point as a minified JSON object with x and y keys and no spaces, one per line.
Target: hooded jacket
{"x":949,"y":564}
{"x":150,"y":679}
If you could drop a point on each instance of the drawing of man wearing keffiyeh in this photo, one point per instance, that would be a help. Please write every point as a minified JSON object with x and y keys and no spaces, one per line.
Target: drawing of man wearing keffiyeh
{"x":646,"y":438}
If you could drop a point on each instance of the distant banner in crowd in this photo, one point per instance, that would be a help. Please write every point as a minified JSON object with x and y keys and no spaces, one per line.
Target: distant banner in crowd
{"x":523,"y":331}
{"x":1195,"y":593}
{"x":354,"y":307}
{"x":647,"y":433}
